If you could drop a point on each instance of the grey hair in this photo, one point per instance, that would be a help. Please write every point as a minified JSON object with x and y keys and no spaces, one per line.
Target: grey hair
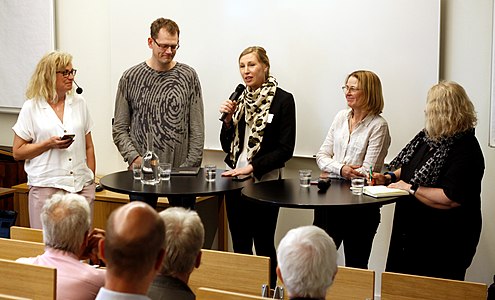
{"x":307,"y":259}
{"x":184,"y":237}
{"x":66,"y":221}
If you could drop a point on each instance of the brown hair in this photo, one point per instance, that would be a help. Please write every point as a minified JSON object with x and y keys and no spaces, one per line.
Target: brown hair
{"x":371,"y":86}
{"x":169,"y":25}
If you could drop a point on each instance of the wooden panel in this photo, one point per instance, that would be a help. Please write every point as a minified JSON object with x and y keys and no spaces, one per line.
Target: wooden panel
{"x":25,"y":280}
{"x":14,"y":249}
{"x":410,"y":287}
{"x":231,"y":271}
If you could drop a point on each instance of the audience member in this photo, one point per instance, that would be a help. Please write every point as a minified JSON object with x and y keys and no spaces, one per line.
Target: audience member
{"x":66,"y":224}
{"x":307,"y":262}
{"x":184,"y":237}
{"x":132,"y":250}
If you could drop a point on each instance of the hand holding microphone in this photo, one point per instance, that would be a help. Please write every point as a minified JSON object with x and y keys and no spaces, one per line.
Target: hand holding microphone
{"x":235,"y":95}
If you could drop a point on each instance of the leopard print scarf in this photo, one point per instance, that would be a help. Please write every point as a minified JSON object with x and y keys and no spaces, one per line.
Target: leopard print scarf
{"x":253,"y":106}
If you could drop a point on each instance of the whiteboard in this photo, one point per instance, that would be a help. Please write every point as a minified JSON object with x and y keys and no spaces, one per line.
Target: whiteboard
{"x":26,"y":34}
{"x":312,"y":46}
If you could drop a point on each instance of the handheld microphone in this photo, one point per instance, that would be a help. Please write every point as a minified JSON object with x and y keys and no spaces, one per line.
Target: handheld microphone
{"x":235,"y":95}
{"x":324,"y":183}
{"x":79,"y":89}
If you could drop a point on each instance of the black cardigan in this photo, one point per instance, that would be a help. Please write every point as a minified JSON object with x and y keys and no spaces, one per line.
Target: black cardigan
{"x":279,"y":138}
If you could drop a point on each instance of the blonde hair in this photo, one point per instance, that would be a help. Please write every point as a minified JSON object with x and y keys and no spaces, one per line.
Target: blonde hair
{"x":43,"y":83}
{"x":261,"y":54}
{"x":371,"y":86}
{"x":448,"y":110}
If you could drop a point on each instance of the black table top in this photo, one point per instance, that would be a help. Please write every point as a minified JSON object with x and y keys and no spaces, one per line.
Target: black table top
{"x":123,"y":182}
{"x":288,"y":193}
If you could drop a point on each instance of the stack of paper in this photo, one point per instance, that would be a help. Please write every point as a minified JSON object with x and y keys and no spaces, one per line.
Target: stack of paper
{"x":378,"y":191}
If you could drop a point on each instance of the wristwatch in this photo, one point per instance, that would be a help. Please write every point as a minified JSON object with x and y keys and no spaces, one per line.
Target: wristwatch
{"x":413,"y":189}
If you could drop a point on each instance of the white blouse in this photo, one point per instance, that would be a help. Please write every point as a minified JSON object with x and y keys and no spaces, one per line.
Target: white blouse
{"x":366,"y":146}
{"x":59,"y":168}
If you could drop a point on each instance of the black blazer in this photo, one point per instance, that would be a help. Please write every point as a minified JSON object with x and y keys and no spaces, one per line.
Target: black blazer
{"x":279,"y":138}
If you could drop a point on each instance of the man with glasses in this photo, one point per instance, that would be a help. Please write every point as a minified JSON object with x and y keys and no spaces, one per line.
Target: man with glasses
{"x":161,"y":96}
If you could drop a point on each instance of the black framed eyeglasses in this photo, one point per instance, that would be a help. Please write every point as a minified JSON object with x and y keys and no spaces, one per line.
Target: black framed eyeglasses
{"x":166,"y":46}
{"x":66,"y":73}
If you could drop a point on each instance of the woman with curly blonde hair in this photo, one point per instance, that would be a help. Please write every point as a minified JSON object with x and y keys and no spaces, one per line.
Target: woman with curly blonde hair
{"x":53,"y":135}
{"x":437,"y":227}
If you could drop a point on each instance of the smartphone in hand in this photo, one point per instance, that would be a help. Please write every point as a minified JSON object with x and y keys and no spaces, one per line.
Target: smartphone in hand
{"x":67,"y":137}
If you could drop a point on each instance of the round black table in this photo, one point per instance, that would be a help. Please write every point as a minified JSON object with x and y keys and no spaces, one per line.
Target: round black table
{"x":193,"y":185}
{"x":288,"y":193}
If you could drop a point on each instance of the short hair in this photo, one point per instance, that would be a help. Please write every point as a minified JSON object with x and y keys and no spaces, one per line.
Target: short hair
{"x":448,"y":110}
{"x":371,"y":86}
{"x":131,"y":255}
{"x":307,"y":259}
{"x":169,"y":25}
{"x":261,"y":54}
{"x":184,"y":238}
{"x":43,"y":82}
{"x":66,"y":221}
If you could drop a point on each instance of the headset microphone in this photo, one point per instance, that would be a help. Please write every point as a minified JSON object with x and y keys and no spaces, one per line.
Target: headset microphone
{"x":79,"y":89}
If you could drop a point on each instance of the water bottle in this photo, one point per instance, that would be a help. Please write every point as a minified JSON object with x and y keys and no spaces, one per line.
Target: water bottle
{"x":149,"y":167}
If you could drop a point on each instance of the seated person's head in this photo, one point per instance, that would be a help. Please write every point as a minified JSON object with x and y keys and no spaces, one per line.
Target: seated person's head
{"x":133,"y":245}
{"x":307,"y":262}
{"x":66,"y":222}
{"x":184,"y":239}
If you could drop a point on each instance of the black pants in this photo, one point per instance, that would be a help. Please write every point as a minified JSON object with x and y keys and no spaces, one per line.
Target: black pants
{"x":182,"y":201}
{"x":251,"y":222}
{"x":354,"y":226}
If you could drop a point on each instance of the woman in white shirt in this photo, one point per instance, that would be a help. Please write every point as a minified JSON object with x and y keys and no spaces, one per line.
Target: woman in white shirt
{"x":358,"y":140}
{"x":54,"y":162}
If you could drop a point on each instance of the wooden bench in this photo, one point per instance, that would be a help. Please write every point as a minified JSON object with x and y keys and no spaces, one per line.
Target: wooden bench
{"x":14,"y":249}
{"x":234,"y":272}
{"x":397,"y":286}
{"x":209,"y":208}
{"x":26,"y":234}
{"x":352,"y":283}
{"x":216,"y":294}
{"x":25,"y":280}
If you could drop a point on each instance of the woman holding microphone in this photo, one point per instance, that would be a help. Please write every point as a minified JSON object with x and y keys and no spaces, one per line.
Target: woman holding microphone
{"x":258,"y":135}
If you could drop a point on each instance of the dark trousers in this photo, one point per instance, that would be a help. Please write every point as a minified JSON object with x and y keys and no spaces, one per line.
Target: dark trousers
{"x":182,"y":201}
{"x":252,"y":222}
{"x":354,"y":226}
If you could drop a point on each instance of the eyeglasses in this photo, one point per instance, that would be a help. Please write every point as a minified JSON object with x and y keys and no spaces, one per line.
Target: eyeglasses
{"x":166,"y":46}
{"x":350,"y":89}
{"x":66,"y":73}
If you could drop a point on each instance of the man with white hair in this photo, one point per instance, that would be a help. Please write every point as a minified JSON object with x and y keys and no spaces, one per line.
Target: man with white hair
{"x":66,"y":233}
{"x":307,"y":262}
{"x":184,"y":237}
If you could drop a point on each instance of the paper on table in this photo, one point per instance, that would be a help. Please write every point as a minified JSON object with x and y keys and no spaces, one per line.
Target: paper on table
{"x":378,"y":191}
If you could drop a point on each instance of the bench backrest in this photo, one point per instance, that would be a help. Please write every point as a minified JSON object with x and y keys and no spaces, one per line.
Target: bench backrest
{"x":25,"y":280}
{"x":231,"y":271}
{"x":408,"y":287}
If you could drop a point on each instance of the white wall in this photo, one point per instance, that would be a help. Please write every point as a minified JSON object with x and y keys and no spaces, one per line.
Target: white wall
{"x":83,"y":28}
